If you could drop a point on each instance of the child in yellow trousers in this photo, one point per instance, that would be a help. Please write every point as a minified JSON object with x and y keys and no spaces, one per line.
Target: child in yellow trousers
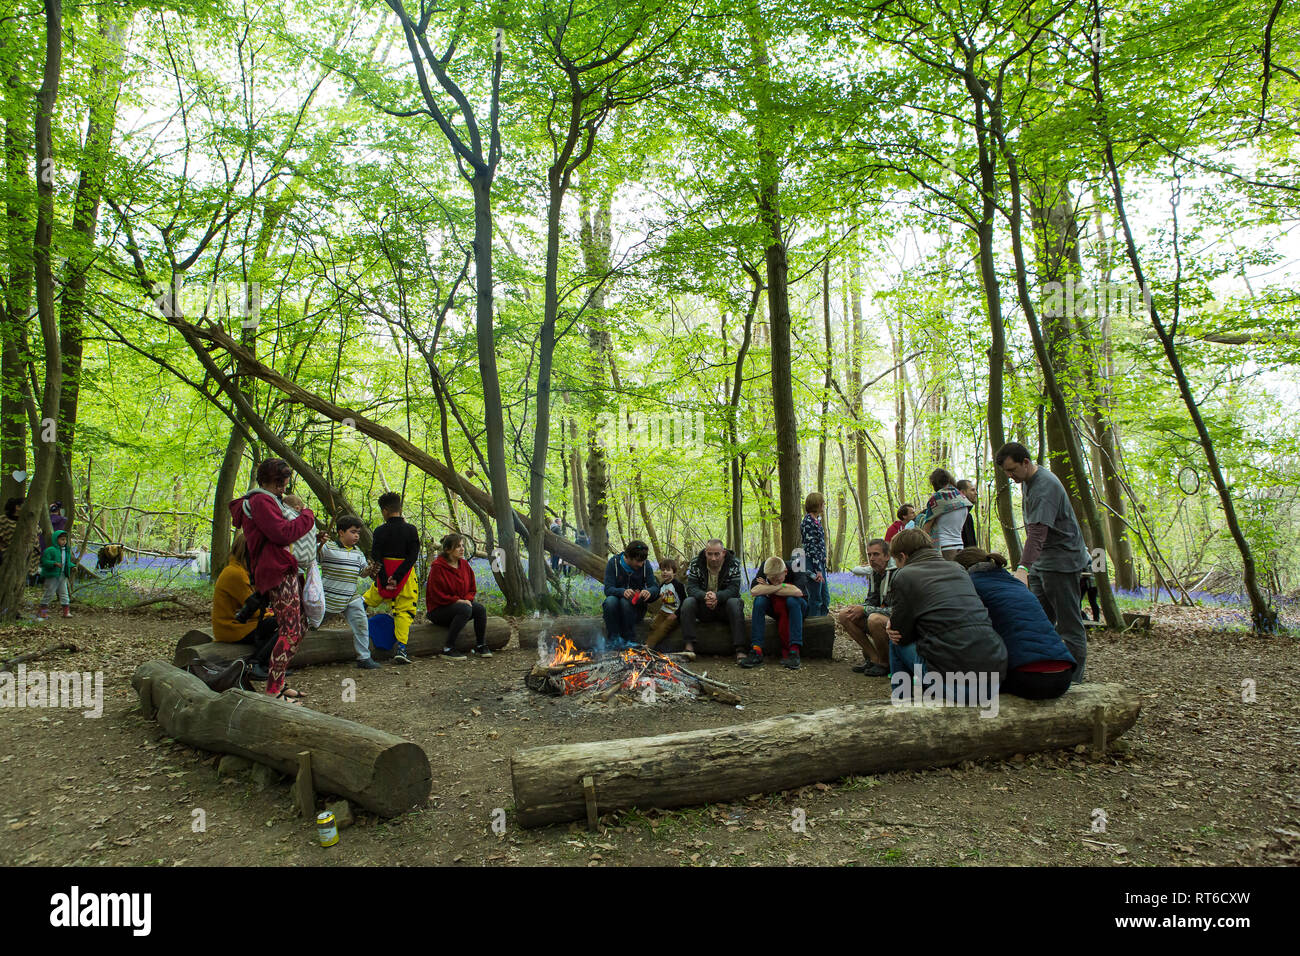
{"x":395,"y":550}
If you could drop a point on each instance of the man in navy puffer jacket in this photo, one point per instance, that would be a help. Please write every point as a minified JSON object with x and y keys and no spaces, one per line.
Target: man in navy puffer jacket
{"x":1039,"y":666}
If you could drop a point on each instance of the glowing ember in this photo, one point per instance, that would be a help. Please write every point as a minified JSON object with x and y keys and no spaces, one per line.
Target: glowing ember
{"x":636,"y":672}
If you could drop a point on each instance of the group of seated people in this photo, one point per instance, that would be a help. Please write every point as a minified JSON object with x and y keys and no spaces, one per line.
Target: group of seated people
{"x":709,"y":592}
{"x":450,"y":590}
{"x":923,"y":612}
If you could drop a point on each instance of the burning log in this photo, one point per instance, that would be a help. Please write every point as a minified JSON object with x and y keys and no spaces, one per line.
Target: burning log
{"x":567,"y":669}
{"x":379,"y":771}
{"x":798,"y":749}
{"x":332,"y":645}
{"x":713,"y":637}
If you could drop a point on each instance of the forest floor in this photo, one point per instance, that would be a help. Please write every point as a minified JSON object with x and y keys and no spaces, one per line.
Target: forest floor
{"x":1203,"y":778}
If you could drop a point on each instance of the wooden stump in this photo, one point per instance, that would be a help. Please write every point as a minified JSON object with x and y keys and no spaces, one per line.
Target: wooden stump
{"x":779,"y":753}
{"x":333,"y":645}
{"x":712,"y":637}
{"x":377,"y":770}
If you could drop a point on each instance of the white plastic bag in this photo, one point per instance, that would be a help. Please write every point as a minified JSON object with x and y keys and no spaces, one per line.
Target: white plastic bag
{"x":313,"y":596}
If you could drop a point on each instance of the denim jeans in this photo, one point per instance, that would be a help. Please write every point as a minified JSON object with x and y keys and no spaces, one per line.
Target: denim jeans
{"x":621,"y":617}
{"x":903,"y":657}
{"x":355,"y":614}
{"x":795,"y":611}
{"x":819,"y":597}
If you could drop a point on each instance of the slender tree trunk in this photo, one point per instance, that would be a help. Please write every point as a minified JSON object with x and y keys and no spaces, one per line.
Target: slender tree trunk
{"x":13,"y":569}
{"x":841,"y":523}
{"x":106,"y":80}
{"x":859,"y":438}
{"x":778,"y":300}
{"x":596,"y":242}
{"x":1263,"y":617}
{"x":18,"y":282}
{"x":998,"y":345}
{"x":830,"y":372}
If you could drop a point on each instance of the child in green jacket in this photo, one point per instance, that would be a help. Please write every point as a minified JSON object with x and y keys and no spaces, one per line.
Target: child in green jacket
{"x":56,"y":572}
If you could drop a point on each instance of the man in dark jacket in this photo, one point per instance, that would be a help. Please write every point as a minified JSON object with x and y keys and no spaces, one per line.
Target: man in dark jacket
{"x":865,"y":623}
{"x":630,"y":585}
{"x":968,"y":536}
{"x":713,"y":594}
{"x":937,"y":619}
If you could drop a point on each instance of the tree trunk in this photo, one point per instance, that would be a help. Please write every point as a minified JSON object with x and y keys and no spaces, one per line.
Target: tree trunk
{"x":998,"y":345}
{"x":859,"y":439}
{"x":794,"y":750}
{"x":106,"y":81}
{"x":493,"y":417}
{"x":841,"y":522}
{"x":596,"y":242}
{"x":334,"y":645}
{"x":18,"y":288}
{"x":13,"y":570}
{"x":377,"y":770}
{"x":778,"y":300}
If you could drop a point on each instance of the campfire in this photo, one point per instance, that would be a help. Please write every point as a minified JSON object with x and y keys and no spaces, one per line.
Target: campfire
{"x":630,"y":673}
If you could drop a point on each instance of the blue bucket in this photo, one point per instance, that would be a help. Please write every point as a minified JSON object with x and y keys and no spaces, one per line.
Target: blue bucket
{"x":381,"y":632}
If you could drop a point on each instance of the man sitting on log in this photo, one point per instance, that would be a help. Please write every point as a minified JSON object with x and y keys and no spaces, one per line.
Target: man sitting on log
{"x":937,"y":620}
{"x":630,"y":586}
{"x":782,"y":594}
{"x":865,"y":623}
{"x":713,"y":594}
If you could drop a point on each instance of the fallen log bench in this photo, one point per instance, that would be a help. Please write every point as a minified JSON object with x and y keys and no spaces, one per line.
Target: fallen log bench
{"x":333,"y":645}
{"x":712,"y":637}
{"x":376,"y":770}
{"x":795,"y":750}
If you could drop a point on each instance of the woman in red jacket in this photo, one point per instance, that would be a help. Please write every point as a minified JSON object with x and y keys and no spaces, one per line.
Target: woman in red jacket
{"x":449,"y":597}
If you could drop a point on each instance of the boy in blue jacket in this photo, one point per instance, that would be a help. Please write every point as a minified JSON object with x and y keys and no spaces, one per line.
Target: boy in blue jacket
{"x":56,"y":572}
{"x":630,"y":585}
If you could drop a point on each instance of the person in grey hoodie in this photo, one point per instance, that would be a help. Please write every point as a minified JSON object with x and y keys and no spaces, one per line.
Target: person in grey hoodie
{"x":936,"y":617}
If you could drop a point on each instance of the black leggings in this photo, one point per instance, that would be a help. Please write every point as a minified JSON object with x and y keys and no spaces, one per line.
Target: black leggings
{"x":454,"y":616}
{"x":263,"y":640}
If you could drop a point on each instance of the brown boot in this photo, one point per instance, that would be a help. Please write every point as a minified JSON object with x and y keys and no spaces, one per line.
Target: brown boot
{"x":67,"y":611}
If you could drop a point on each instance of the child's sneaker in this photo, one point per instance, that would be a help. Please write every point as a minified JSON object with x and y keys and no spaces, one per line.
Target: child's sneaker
{"x":482,"y":650}
{"x":42,"y":612}
{"x":755,"y":659}
{"x":792,"y":660}
{"x":399,"y":655}
{"x":370,"y":664}
{"x":67,"y":611}
{"x":451,"y":654}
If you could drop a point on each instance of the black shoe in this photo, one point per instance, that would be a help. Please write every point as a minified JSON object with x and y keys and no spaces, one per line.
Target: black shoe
{"x":483,"y":650}
{"x":369,"y":664}
{"x":860,"y":668}
{"x":792,"y":662}
{"x":755,"y":659}
{"x":399,"y":655}
{"x":451,"y":654}
{"x":875,"y":670}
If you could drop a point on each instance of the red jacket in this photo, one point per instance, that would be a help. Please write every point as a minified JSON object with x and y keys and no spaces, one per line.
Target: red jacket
{"x":447,"y":585}
{"x":268,"y":534}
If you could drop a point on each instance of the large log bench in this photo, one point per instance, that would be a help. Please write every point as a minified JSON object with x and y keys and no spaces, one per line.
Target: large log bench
{"x":333,"y":645}
{"x":555,"y":783}
{"x":712,"y":637}
{"x":382,"y":772}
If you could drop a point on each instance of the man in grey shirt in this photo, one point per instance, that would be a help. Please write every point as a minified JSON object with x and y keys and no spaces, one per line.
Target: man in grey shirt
{"x":1055,"y":555}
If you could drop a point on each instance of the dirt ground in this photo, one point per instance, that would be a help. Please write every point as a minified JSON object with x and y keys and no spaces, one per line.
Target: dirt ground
{"x":1203,"y":778}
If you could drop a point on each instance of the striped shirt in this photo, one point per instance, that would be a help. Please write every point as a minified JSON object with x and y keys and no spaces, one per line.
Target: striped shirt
{"x":340,"y":569}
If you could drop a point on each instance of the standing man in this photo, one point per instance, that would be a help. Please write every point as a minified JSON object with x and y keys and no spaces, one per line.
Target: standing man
{"x":866,"y":623}
{"x":713,"y":594}
{"x":1054,"y":554}
{"x":967,"y":488}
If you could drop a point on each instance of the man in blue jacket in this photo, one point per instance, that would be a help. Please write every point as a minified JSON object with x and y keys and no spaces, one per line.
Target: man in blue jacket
{"x":629,"y":587}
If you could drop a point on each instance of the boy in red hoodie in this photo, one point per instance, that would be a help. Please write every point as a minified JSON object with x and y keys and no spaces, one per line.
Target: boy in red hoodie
{"x":449,"y":597}
{"x":394,"y":549}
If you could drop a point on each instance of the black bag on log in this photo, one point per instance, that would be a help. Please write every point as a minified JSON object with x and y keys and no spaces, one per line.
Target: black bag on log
{"x":222,"y":676}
